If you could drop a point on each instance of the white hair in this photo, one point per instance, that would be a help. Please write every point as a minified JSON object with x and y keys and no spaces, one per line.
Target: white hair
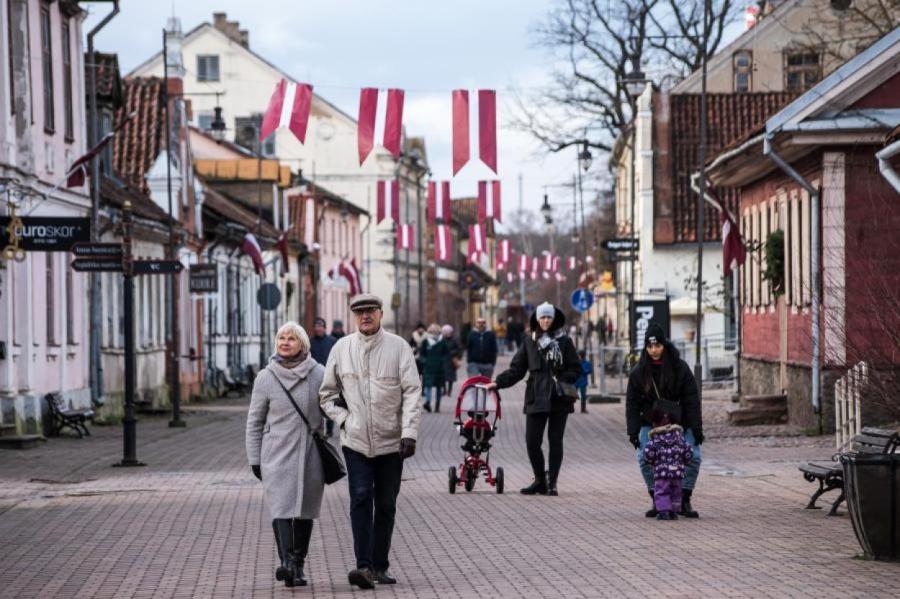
{"x":297,"y":330}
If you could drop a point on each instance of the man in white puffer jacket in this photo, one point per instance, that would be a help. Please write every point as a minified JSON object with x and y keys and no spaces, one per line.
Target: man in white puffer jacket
{"x":371,"y":390}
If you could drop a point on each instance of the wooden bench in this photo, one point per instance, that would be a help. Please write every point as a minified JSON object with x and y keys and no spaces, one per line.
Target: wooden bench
{"x":64,"y":417}
{"x":830,"y":475}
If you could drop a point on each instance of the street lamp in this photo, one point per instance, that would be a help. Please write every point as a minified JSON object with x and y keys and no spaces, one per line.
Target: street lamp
{"x":547,"y":211}
{"x":635,"y":83}
{"x":217,"y":126}
{"x":584,"y":157}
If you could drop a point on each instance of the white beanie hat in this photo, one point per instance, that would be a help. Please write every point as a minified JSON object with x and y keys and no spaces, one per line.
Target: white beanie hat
{"x":545,"y":309}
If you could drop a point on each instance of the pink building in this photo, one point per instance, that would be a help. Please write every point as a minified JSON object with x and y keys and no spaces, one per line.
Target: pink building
{"x":43,"y":311}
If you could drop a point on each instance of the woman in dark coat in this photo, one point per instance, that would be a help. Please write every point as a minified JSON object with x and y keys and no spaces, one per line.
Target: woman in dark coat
{"x":433,"y":354}
{"x":454,"y":358}
{"x":548,"y":356}
{"x":661,"y":374}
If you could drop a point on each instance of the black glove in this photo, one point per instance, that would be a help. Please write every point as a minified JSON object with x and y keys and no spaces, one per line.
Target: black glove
{"x":698,"y":437}
{"x":257,"y":471}
{"x":407,"y":448}
{"x":635,"y":441}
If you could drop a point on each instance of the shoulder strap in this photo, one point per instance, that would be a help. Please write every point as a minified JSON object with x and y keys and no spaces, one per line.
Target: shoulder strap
{"x":294,"y":403}
{"x":651,"y":380}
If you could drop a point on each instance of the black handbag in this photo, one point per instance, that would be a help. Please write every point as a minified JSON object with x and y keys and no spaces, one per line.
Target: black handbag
{"x":667,"y":406}
{"x":333,"y":467}
{"x":566,"y":391}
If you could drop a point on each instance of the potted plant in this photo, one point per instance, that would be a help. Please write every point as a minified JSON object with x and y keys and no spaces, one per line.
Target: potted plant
{"x":872,"y":489}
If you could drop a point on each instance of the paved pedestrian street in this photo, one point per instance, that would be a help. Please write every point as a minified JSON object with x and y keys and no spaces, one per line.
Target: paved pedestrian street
{"x":192,"y":523}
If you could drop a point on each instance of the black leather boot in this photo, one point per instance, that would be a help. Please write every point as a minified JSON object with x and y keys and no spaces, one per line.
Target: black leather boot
{"x":686,"y":509}
{"x":538,"y":487}
{"x":284,"y":540}
{"x":302,"y":534}
{"x":551,"y":485}
{"x":651,"y":513}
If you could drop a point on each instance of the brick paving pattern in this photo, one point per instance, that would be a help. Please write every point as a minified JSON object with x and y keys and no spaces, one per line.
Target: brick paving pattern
{"x":192,"y":523}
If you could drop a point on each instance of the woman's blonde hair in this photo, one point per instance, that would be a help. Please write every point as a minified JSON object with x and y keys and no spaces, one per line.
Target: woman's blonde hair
{"x":297,"y":330}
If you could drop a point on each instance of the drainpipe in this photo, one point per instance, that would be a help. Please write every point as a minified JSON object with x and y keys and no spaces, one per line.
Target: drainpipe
{"x":95,"y":373}
{"x":814,"y":265}
{"x":884,"y":164}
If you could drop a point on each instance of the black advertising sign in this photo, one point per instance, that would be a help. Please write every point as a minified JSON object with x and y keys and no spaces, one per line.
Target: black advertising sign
{"x":94,"y":265}
{"x":46,"y":233}
{"x":620,"y":244}
{"x":268,"y":296}
{"x":156,"y":267}
{"x":645,"y":312}
{"x":98,"y":251}
{"x":204,"y":278}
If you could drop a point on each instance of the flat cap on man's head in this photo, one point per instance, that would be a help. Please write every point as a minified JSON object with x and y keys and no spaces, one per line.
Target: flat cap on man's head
{"x":364,"y":301}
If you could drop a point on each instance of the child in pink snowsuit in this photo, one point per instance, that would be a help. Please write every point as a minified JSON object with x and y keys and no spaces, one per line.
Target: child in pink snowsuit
{"x":668,"y":453}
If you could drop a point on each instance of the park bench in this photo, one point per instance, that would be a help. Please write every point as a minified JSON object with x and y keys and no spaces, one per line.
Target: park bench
{"x":63,"y":416}
{"x":830,"y":475}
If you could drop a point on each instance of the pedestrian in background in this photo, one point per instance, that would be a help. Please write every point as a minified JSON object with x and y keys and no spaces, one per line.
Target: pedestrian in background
{"x":667,"y":453}
{"x":415,"y":341}
{"x":662,"y":380}
{"x":582,"y":383}
{"x":454,"y":359}
{"x":549,"y":359}
{"x":281,"y":449}
{"x":481,"y":350}
{"x":337,"y":329}
{"x":434,"y":355}
{"x":320,"y":345}
{"x":371,"y":390}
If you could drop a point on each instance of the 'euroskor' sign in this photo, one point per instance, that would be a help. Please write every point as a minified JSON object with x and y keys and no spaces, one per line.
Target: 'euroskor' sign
{"x":47,"y":233}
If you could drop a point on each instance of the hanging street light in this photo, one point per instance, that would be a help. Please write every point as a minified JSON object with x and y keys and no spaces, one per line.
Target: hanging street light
{"x":584,"y":157}
{"x":547,"y":211}
{"x":635,"y":83}
{"x":217,"y":126}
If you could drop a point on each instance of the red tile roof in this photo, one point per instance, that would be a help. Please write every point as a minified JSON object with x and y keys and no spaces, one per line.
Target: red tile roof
{"x":115,"y":194}
{"x":137,"y":145}
{"x":109,"y":84}
{"x":730,"y":117}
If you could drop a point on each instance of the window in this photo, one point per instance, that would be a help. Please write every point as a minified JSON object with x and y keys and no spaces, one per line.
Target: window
{"x":208,"y":67}
{"x":47,"y":68}
{"x":67,"y":81}
{"x":9,"y":53}
{"x":106,"y":125}
{"x":70,"y":307}
{"x":204,"y":121}
{"x":743,"y":71}
{"x":802,"y":70}
{"x":51,"y":297}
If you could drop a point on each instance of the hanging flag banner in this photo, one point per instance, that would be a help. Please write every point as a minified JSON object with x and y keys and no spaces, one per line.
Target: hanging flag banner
{"x":477,"y":243}
{"x":442,"y":243}
{"x":548,"y":262}
{"x":503,"y":254}
{"x":349,"y":271}
{"x":487,"y":128}
{"x":309,"y":222}
{"x":282,"y":246}
{"x":438,"y":202}
{"x":250,"y":246}
{"x":488,"y":200}
{"x":535,"y":267}
{"x":78,"y":172}
{"x":288,"y":107}
{"x":405,"y":237}
{"x":386,"y":114}
{"x":571,"y":262}
{"x":387,"y":205}
{"x":523,"y":263}
{"x":555,"y":267}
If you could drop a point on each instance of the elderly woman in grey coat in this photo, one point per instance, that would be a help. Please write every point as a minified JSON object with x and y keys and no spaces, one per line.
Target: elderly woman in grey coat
{"x":281,"y":450}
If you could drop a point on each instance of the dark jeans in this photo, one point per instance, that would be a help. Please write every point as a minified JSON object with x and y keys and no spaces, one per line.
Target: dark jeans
{"x":374,"y":484}
{"x":555,"y":422}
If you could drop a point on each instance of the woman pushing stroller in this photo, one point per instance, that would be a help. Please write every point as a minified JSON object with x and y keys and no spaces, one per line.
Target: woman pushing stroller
{"x":548,"y":356}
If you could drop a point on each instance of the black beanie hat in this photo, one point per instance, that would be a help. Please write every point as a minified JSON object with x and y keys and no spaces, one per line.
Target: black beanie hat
{"x":654,"y":334}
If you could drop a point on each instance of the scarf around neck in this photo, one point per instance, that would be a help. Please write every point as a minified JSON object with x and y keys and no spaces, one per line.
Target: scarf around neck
{"x":290,"y":362}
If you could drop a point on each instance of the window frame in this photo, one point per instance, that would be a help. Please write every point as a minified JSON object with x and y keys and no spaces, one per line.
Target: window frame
{"x":203,"y":74}
{"x":50,"y":281}
{"x":68,"y":98}
{"x":10,"y":64}
{"x":742,"y":70}
{"x":47,"y":67}
{"x":803,"y":69}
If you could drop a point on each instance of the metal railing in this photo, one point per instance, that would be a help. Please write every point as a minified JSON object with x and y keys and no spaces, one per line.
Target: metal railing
{"x":847,"y":421}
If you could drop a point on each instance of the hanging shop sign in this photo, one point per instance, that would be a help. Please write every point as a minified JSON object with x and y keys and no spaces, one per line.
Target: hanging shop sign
{"x":645,"y":312}
{"x":620,"y":244}
{"x":44,"y":233}
{"x":204,"y":278}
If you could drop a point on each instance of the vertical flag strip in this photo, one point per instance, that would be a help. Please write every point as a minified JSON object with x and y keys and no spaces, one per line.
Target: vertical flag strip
{"x":555,"y":264}
{"x":571,"y":262}
{"x":442,"y":242}
{"x":460,"y":129}
{"x":288,"y":107}
{"x":250,"y":246}
{"x":488,"y":200}
{"x":477,"y":244}
{"x":387,"y":205}
{"x":503,"y":254}
{"x":365,"y":131}
{"x":548,"y":262}
{"x":309,"y":222}
{"x":405,"y":237}
{"x":523,"y":263}
{"x":438,"y":202}
{"x":369,"y":119}
{"x":733,"y":251}
{"x":393,"y":121}
{"x":487,"y":127}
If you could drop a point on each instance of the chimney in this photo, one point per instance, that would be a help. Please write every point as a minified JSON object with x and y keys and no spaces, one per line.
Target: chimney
{"x":231,"y":28}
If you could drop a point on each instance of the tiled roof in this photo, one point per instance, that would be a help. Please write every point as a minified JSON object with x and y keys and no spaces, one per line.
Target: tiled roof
{"x":730,"y":117}
{"x":465,"y":212}
{"x":109,"y":84}
{"x":137,"y":145}
{"x":115,"y":193}
{"x":231,"y":211}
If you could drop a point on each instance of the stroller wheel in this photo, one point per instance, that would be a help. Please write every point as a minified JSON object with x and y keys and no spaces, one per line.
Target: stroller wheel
{"x":453,"y":480}
{"x":471,"y":475}
{"x":498,"y":481}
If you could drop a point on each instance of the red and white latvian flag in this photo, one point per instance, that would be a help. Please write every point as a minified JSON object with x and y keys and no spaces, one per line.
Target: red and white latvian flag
{"x":309,"y":222}
{"x":733,"y":251}
{"x":288,"y":107}
{"x":282,"y":246}
{"x":477,"y":242}
{"x":523,"y":263}
{"x":504,"y":255}
{"x":535,"y":267}
{"x":379,"y":118}
{"x":438,"y":202}
{"x":555,"y":264}
{"x":77,"y":173}
{"x":388,"y":205}
{"x":405,"y":237}
{"x":549,"y":263}
{"x":442,"y":243}
{"x":250,"y":246}
{"x":559,"y":276}
{"x":488,"y":200}
{"x":487,"y":128}
{"x":349,"y":271}
{"x":571,"y":262}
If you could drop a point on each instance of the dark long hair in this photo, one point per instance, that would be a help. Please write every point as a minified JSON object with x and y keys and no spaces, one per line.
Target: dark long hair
{"x":670,"y":358}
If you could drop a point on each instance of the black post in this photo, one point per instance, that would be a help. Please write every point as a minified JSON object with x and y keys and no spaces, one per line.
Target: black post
{"x":701,"y":204}
{"x":129,"y":429}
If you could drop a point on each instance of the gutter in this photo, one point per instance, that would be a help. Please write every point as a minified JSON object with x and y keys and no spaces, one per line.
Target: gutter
{"x":884,"y":164}
{"x":815,"y":244}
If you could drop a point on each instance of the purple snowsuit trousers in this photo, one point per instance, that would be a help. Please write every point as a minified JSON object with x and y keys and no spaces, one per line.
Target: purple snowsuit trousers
{"x":667,"y":494}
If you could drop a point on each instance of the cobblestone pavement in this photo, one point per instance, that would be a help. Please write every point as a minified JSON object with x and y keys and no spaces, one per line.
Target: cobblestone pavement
{"x":192,"y":523}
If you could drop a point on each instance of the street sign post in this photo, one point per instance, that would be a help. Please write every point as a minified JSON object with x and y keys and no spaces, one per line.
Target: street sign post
{"x":582,"y":300}
{"x":157,"y":267}
{"x":268,"y":296}
{"x":204,"y":278}
{"x":98,"y":251}
{"x":614,"y":257}
{"x":95,"y":265}
{"x":620,"y":244}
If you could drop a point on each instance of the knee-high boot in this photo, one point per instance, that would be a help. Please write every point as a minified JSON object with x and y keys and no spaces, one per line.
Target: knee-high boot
{"x":302,"y":535}
{"x":284,"y":540}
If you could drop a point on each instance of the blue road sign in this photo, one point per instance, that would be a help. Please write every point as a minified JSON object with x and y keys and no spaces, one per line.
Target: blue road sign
{"x":582,"y":299}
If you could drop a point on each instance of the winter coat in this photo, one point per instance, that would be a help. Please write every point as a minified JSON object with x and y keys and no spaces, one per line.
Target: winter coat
{"x":454,"y":351}
{"x":320,"y":347}
{"x":668,"y":452}
{"x":481,"y":348}
{"x":279,"y":441}
{"x":540,"y":389}
{"x":377,"y":378}
{"x":434,"y":358}
{"x":682,"y":389}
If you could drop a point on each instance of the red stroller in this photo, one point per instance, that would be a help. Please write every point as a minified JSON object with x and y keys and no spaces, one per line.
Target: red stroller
{"x":478,"y":405}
